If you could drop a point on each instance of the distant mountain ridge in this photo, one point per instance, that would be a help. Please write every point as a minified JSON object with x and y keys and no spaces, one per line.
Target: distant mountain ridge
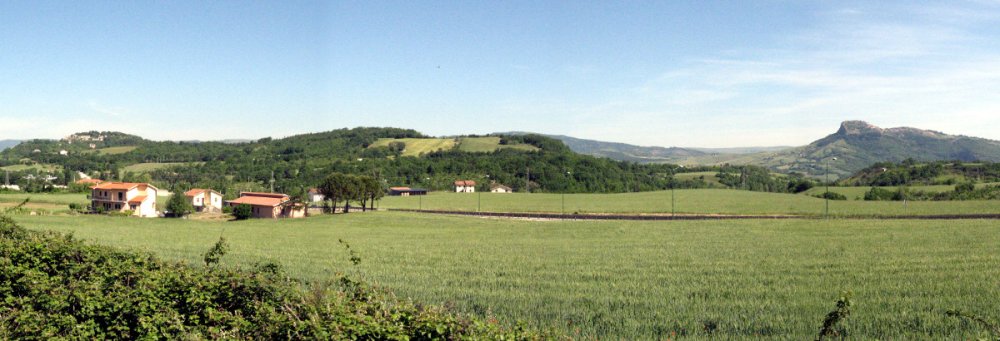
{"x":4,"y":144}
{"x":650,"y":154}
{"x":858,"y":144}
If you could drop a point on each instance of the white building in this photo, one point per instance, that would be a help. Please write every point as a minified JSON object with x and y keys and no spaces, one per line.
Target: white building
{"x":205,"y":200}
{"x":465,"y":186}
{"x":140,"y":198}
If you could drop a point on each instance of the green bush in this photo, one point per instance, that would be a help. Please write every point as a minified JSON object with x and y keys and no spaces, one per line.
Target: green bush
{"x":832,"y":196}
{"x":179,"y":206}
{"x":226,"y":209}
{"x":242,"y":211}
{"x":56,"y":287}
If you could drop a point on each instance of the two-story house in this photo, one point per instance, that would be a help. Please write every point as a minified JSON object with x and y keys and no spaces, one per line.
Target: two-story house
{"x":140,"y":198}
{"x":205,"y":200}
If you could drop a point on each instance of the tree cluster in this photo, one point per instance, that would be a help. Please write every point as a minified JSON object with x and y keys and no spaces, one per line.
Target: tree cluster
{"x":340,"y":187}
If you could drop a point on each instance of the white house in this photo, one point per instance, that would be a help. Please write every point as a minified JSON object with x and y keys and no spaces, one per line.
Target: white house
{"x":498,"y":188}
{"x":315,"y":196}
{"x":465,"y":186}
{"x":205,"y":200}
{"x":140,"y":198}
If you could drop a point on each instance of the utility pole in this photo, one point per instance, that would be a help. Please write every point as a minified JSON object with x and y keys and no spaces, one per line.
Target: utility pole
{"x":272,"y":181}
{"x":527,"y":180}
{"x":827,"y":195}
{"x":6,"y":177}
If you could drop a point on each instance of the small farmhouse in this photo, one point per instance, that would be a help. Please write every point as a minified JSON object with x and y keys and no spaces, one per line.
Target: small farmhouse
{"x":205,"y":200}
{"x":315,"y":196}
{"x":406,"y":191}
{"x":465,"y":186}
{"x":269,"y":205}
{"x":498,"y":188}
{"x":140,"y":198}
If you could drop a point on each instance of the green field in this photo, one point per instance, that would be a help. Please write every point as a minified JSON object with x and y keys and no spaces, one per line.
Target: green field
{"x":488,"y":144}
{"x":622,"y":279}
{"x":858,"y":193}
{"x":694,"y":201}
{"x":708,"y":177}
{"x":416,"y":147}
{"x":151,"y":166}
{"x":39,"y":166}
{"x":116,"y":150}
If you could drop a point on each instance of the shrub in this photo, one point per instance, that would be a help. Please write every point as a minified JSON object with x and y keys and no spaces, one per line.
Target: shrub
{"x":179,"y":206}
{"x":242,"y":212}
{"x":832,"y":196}
{"x":227,"y":209}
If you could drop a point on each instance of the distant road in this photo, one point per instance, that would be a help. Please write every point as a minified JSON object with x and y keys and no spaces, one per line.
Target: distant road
{"x":618,"y":216}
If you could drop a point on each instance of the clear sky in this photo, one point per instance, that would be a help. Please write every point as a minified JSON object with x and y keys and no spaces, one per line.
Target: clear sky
{"x":668,"y":73}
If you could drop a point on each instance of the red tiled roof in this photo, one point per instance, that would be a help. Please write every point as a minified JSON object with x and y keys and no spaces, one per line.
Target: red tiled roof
{"x":194,"y":192}
{"x":265,"y":195}
{"x":258,"y":201}
{"x":465,"y":183}
{"x":138,"y":199}
{"x":117,"y":185}
{"x":399,"y":188}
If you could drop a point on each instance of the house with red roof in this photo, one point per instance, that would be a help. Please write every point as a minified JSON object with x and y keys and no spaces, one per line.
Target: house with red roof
{"x":139,"y":198}
{"x":205,"y":200}
{"x":269,"y":205}
{"x":465,"y":186}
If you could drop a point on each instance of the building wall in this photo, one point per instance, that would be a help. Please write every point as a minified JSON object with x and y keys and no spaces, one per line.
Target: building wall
{"x":215,"y":200}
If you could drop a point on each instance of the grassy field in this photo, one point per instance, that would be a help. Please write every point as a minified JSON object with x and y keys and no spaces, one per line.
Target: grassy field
{"x":40,"y":166}
{"x":622,"y":279}
{"x":858,"y":193}
{"x":151,"y":166}
{"x":697,"y":201}
{"x":708,"y":177}
{"x":415,"y":147}
{"x":488,"y":144}
{"x":116,"y":150}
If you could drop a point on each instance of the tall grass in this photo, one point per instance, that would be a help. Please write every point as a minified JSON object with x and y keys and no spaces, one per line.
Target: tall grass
{"x":625,"y":279}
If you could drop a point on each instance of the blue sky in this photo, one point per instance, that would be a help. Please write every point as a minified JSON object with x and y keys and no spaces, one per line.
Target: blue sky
{"x":669,"y":73}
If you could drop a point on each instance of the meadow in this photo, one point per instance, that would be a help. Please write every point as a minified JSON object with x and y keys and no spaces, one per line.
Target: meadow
{"x":623,"y":279}
{"x":417,"y":146}
{"x":151,"y":166}
{"x":687,"y":201}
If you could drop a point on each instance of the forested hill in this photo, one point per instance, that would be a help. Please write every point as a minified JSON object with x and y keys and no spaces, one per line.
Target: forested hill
{"x":299,"y":162}
{"x":911,"y":172}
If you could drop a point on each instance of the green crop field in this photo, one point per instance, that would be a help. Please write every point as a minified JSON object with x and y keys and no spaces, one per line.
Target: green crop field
{"x":695,"y":201}
{"x":858,"y":193}
{"x":624,"y":279}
